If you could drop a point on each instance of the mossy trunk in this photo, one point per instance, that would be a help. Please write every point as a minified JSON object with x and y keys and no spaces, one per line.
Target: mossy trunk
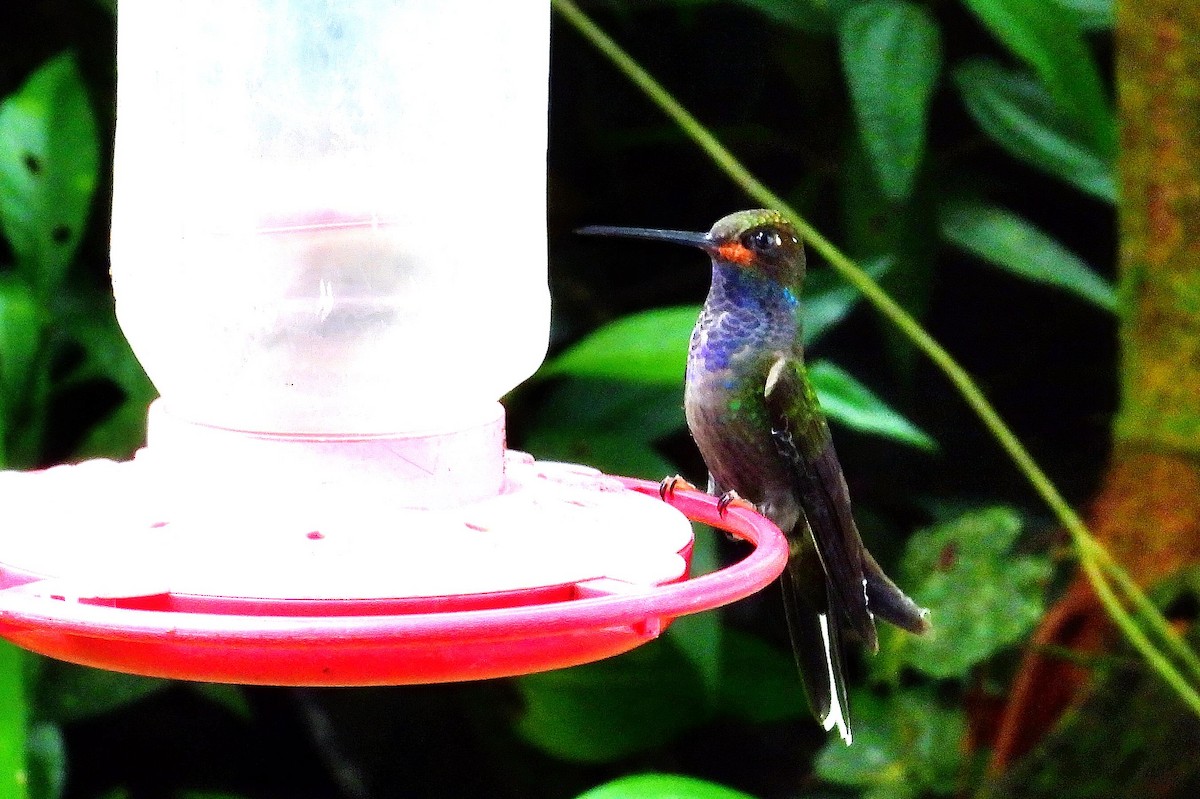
{"x":1147,"y":512}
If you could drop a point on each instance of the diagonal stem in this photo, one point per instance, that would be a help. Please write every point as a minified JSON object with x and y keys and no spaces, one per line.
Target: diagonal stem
{"x":1093,"y":558}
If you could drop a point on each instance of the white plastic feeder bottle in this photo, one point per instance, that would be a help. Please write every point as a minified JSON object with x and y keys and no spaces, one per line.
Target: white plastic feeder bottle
{"x":337,"y":226}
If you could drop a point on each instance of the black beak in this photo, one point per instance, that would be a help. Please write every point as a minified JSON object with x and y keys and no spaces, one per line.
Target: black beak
{"x":700,"y":240}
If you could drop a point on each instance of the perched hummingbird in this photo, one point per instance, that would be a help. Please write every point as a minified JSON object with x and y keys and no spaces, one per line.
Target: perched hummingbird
{"x":755,"y":417}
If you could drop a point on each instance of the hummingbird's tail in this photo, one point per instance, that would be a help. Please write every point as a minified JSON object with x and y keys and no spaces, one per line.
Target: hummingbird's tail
{"x":817,"y":642}
{"x":888,"y":602}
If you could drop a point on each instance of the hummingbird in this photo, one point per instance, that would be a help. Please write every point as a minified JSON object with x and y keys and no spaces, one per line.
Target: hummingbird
{"x":758,"y":424}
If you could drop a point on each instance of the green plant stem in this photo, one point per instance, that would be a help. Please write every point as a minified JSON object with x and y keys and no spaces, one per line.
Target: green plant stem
{"x":1093,"y":558}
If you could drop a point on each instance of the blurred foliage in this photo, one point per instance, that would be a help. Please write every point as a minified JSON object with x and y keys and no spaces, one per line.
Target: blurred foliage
{"x":962,"y":150}
{"x":970,"y":552}
{"x":1147,"y":740}
{"x":906,"y":745}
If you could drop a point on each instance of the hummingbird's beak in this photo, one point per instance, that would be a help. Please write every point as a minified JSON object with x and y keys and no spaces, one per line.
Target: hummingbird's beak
{"x":700,"y":240}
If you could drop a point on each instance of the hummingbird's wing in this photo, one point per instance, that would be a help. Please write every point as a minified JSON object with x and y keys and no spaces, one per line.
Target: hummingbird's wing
{"x":803,"y":440}
{"x":802,"y":437}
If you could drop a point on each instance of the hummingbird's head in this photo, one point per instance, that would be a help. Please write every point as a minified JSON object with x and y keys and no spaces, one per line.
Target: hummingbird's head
{"x":760,"y":241}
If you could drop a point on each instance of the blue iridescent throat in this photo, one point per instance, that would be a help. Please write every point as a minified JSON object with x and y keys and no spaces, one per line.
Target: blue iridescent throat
{"x":744,"y":311}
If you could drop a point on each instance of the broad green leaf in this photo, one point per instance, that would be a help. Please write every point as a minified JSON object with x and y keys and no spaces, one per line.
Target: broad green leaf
{"x":1023,"y":118}
{"x":981,"y":596}
{"x":231,"y":697}
{"x":20,"y":338}
{"x":609,"y":452}
{"x":891,"y":54}
{"x":850,"y":402}
{"x":906,"y":746}
{"x":662,"y":786}
{"x":107,"y":356}
{"x":608,"y":424}
{"x":49,"y":165}
{"x":1046,"y":37}
{"x":67,"y":692}
{"x":650,"y":346}
{"x":607,"y":710}
{"x":827,"y":298}
{"x":1090,"y":15}
{"x":604,"y":711}
{"x":640,"y":411}
{"x":1004,"y":239}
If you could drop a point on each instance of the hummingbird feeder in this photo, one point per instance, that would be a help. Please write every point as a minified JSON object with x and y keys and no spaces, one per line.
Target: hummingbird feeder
{"x":325,"y":496}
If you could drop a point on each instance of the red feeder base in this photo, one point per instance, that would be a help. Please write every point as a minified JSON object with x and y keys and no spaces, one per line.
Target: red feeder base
{"x":374,"y":641}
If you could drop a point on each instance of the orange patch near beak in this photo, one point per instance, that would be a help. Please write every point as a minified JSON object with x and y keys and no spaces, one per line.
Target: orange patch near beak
{"x":735,"y":253}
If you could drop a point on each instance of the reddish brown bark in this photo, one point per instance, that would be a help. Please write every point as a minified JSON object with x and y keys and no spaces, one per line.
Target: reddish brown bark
{"x":1148,"y":510}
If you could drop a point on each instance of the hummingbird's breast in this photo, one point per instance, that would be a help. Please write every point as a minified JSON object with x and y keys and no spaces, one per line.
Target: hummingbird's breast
{"x":735,"y":341}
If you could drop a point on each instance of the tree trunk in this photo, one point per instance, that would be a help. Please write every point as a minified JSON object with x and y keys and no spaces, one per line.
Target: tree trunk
{"x":1148,"y":510}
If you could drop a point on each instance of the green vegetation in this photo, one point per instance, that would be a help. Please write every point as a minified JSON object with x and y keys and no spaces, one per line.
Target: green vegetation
{"x":965,"y":154}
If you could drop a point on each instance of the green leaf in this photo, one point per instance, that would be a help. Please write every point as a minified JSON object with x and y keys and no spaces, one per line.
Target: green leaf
{"x":20,"y":338}
{"x":604,"y":711}
{"x":67,"y":692}
{"x":230,"y":697}
{"x":827,"y":298}
{"x":609,"y":452}
{"x":850,"y":402}
{"x":1022,"y":118}
{"x":644,"y":411}
{"x":1090,"y":15}
{"x":662,"y":786}
{"x":891,"y":53}
{"x":650,"y":346}
{"x":980,"y":595}
{"x":608,"y":424}
{"x":1047,"y":38}
{"x":904,"y":747}
{"x":49,"y":165}
{"x":1004,"y":239}
{"x":107,"y":356}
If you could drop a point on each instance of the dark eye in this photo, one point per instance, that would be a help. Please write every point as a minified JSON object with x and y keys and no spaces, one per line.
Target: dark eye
{"x":762,"y":240}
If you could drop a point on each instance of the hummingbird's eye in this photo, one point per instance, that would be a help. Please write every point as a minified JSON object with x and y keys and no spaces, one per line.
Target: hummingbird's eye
{"x":762,"y":240}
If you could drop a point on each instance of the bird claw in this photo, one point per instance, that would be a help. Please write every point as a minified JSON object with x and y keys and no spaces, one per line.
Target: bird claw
{"x":732,"y":499}
{"x":669,"y":485}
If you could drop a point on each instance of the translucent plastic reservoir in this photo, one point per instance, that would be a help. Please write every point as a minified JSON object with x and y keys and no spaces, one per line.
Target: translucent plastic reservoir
{"x":326,"y":219}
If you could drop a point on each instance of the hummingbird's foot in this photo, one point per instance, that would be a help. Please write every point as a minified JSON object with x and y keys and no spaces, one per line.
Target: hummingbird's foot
{"x":669,"y":485}
{"x":731,"y":498}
